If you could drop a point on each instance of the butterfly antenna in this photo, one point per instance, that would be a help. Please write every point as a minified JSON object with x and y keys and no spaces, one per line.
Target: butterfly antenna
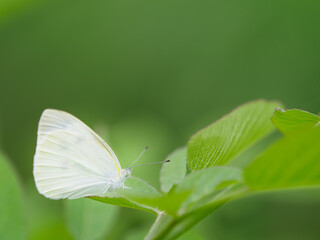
{"x":150,"y":163}
{"x":145,"y":149}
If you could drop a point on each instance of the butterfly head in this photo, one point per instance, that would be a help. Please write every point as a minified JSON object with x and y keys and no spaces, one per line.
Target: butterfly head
{"x":126,"y":173}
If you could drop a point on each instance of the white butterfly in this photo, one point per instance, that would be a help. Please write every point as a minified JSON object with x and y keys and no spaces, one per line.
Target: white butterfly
{"x":72,"y":161}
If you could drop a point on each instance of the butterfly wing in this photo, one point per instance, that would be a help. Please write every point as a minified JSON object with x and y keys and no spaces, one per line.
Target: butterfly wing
{"x":72,"y":161}
{"x":54,"y":120}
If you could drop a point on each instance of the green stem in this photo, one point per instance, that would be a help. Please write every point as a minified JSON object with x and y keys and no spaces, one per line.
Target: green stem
{"x":161,"y":225}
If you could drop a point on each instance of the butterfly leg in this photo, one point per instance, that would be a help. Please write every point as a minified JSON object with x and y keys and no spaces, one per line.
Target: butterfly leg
{"x":107,"y":189}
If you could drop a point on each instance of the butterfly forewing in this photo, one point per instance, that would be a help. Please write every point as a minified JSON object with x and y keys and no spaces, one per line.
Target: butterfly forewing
{"x":55,"y":120}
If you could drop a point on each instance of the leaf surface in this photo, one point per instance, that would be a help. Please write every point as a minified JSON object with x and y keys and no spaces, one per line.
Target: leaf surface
{"x":87,"y":219}
{"x":12,"y":219}
{"x":225,"y":139}
{"x":202,"y":183}
{"x":293,"y":161}
{"x":294,"y":120}
{"x":174,"y":172}
{"x":133,"y":197}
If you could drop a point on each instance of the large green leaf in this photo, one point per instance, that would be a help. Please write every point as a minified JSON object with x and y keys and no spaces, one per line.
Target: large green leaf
{"x":12,"y":219}
{"x":173,"y":173}
{"x":133,"y":197}
{"x":223,"y":140}
{"x":293,"y":120}
{"x":87,"y":219}
{"x":293,"y":161}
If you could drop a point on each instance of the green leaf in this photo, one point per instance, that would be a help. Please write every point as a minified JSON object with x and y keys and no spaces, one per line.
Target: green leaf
{"x":293,"y":161}
{"x":223,"y":140}
{"x":294,"y":120}
{"x":132,"y":197}
{"x":12,"y":219}
{"x":203,"y":183}
{"x":174,"y":172}
{"x":169,"y":203}
{"x":199,"y":186}
{"x":87,"y":219}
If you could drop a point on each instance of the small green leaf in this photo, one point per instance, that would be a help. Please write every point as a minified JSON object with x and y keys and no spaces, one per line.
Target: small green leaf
{"x":173,"y":173}
{"x":293,"y":161}
{"x":205,"y":182}
{"x":294,"y":120}
{"x":87,"y":219}
{"x":196,"y":187}
{"x":132,"y":197}
{"x":223,"y":140}
{"x":12,"y":219}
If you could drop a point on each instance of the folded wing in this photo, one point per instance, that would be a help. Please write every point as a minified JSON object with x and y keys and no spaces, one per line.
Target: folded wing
{"x":71,"y":161}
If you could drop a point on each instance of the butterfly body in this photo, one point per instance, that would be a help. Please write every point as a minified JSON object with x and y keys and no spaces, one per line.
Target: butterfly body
{"x":125,"y":174}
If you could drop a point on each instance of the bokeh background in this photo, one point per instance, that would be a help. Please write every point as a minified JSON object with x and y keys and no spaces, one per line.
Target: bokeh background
{"x":152,"y":73}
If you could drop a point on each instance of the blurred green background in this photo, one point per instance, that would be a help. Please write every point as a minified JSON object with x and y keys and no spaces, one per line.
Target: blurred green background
{"x":152,"y":73}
